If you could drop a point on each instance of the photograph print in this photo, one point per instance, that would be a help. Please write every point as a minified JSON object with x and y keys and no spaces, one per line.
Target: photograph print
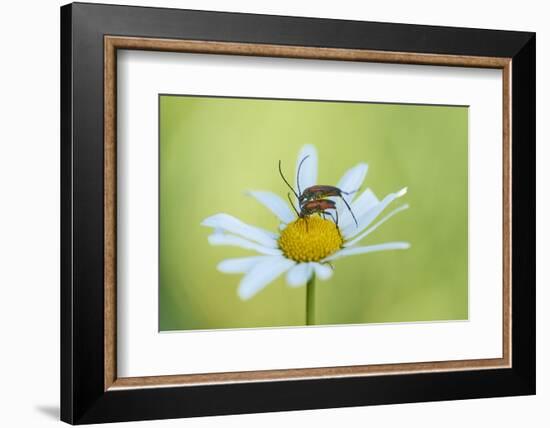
{"x":293,"y":213}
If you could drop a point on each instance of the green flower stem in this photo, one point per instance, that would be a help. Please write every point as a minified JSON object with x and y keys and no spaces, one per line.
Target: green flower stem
{"x":310,"y":301}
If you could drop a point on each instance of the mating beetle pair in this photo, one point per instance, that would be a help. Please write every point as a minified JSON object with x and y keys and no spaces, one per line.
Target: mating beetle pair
{"x":313,"y":200}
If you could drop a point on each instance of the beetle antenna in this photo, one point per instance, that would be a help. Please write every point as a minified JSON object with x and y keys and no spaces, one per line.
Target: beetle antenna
{"x":298,"y":174}
{"x":287,"y":183}
{"x":351,"y":212}
{"x":292,"y":204}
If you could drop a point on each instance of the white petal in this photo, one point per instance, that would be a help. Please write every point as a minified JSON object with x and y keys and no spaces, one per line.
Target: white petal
{"x":365,"y":201}
{"x":262,"y":274}
{"x":366,"y":219}
{"x":275,"y":204}
{"x":375,"y":226}
{"x":237,"y":241}
{"x":322,"y":271}
{"x":231,"y":224}
{"x":240,"y":265}
{"x":308,"y":172}
{"x":299,"y":274}
{"x":352,"y":180}
{"x":371,"y":248}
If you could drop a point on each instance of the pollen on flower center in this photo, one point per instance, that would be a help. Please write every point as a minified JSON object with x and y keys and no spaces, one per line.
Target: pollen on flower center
{"x":310,"y":239}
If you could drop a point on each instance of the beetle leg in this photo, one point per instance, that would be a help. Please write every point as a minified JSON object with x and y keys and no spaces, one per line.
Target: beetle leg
{"x":335,"y":220}
{"x":349,"y":193}
{"x":328,"y":263}
{"x":351,"y":212}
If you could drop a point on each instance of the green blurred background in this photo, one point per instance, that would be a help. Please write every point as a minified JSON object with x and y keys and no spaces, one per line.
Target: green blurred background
{"x":214,"y":149}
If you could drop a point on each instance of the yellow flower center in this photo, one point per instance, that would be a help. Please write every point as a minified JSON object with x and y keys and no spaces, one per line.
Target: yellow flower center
{"x":310,"y":239}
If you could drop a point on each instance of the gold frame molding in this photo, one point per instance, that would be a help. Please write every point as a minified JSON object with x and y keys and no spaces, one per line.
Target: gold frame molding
{"x":113,"y":43}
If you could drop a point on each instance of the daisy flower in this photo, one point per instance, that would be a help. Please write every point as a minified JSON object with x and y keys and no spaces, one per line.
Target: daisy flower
{"x":303,"y":248}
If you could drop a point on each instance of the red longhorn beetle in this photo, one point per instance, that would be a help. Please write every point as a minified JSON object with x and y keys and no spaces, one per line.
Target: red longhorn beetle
{"x":308,"y":208}
{"x":310,"y":198}
{"x":319,"y":206}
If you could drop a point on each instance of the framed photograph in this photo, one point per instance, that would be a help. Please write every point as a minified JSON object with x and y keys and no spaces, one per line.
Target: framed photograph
{"x":265,"y":213}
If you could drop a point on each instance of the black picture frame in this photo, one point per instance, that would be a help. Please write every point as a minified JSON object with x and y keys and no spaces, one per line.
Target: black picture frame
{"x":83,"y":396}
